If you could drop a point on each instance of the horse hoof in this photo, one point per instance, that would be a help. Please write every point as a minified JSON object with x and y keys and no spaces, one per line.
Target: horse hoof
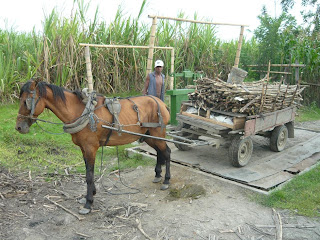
{"x":84,"y":211}
{"x":82,"y":201}
{"x":156,"y":179}
{"x":164,"y":186}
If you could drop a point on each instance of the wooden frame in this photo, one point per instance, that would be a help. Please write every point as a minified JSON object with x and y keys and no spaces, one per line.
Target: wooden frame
{"x":153,"y":35}
{"x":88,"y":60}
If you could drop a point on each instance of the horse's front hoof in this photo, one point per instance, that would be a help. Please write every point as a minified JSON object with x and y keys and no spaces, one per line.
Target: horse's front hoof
{"x":82,"y":200}
{"x":164,"y":186}
{"x":84,"y":211}
{"x":157,"y":179}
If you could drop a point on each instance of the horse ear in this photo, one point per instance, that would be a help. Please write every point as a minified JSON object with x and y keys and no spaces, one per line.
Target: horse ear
{"x":37,"y":80}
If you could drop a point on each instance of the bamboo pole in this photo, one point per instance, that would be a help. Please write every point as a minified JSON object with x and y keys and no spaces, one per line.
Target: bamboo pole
{"x":237,"y":59}
{"x":88,"y":67}
{"x":121,"y":46}
{"x":196,"y":21}
{"x":133,"y":46}
{"x":278,"y":65}
{"x":151,"y":45}
{"x":268,"y":73}
{"x":172,"y":69}
{"x":287,"y":73}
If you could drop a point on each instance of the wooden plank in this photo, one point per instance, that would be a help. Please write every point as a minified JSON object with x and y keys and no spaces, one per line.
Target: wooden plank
{"x":271,"y":181}
{"x":196,"y":21}
{"x":231,"y":114}
{"x":184,"y":106}
{"x":311,"y":84}
{"x":201,"y":124}
{"x":209,"y":120}
{"x":308,"y":162}
{"x":288,"y":109}
{"x":238,"y":123}
{"x":279,"y":65}
{"x":122,"y":46}
{"x":287,"y":73}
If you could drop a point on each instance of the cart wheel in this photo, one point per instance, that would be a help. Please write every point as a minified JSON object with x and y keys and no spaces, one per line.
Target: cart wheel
{"x":279,"y":138}
{"x":182,"y":147}
{"x":240,"y":151}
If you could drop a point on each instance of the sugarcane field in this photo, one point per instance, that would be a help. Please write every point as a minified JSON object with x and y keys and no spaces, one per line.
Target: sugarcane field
{"x":168,"y":120}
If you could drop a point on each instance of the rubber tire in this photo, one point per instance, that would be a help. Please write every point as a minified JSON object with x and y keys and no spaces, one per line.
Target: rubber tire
{"x":237,"y":157}
{"x":279,"y":138}
{"x":182,"y":147}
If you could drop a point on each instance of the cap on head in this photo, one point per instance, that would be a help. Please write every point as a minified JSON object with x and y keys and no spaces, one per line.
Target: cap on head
{"x":158,"y":63}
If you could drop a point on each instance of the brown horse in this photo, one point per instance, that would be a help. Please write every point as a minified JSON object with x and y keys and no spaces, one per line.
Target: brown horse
{"x":68,"y":106}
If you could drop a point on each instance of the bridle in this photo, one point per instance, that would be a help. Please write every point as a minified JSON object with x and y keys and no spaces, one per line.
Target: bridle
{"x":31,"y":102}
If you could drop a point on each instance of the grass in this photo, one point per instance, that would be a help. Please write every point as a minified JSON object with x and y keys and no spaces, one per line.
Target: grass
{"x":51,"y":155}
{"x":301,"y":195}
{"x":309,"y":113}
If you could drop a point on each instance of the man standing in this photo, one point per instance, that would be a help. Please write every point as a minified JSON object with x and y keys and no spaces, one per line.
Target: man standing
{"x":154,"y":84}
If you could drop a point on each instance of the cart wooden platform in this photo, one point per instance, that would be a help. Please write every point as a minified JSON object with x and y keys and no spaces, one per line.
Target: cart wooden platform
{"x":277,"y":125}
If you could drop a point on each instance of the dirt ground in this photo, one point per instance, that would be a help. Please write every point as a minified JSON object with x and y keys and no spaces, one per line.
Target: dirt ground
{"x":225,"y":211}
{"x":209,"y":208}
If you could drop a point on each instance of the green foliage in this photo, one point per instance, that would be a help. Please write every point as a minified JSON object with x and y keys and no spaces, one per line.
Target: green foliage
{"x":271,"y":37}
{"x":56,"y":56}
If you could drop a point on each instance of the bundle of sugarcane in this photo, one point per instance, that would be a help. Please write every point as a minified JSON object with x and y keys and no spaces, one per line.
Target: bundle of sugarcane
{"x":250,"y":98}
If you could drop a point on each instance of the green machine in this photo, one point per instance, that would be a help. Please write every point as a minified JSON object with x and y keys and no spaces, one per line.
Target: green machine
{"x":178,"y":95}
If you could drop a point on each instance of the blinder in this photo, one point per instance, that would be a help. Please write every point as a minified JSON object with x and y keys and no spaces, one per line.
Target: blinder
{"x":31,"y":102}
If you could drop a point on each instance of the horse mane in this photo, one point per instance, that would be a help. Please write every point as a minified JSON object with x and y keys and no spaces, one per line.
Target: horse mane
{"x":58,"y":92}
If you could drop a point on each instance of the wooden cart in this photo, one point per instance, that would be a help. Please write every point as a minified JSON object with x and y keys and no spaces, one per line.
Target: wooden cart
{"x":278,"y":126}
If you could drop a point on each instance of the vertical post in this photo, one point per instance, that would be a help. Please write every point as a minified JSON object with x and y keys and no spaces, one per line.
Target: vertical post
{"x":236,"y":61}
{"x":88,"y":67}
{"x":151,"y":45}
{"x":172,"y":69}
{"x":296,"y":72}
{"x":268,"y":73}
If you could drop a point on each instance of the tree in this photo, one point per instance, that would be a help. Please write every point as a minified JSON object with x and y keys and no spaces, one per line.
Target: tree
{"x":312,"y":17}
{"x":273,"y":35}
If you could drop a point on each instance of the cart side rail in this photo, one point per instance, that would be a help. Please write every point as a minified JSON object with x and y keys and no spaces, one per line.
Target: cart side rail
{"x":268,"y":121}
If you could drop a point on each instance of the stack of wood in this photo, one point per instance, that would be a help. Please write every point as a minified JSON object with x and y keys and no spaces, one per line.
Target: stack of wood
{"x":250,"y":98}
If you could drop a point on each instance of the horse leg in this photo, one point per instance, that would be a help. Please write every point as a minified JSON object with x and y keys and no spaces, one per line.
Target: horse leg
{"x":163,"y":157}
{"x":89,"y":158}
{"x":158,"y":169}
{"x":94,"y":186}
{"x":166,"y":155}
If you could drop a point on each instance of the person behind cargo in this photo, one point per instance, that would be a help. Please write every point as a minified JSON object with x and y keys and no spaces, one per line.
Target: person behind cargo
{"x":154,"y":84}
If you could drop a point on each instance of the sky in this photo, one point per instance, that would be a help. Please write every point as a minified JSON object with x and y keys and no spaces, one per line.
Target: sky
{"x":23,"y":15}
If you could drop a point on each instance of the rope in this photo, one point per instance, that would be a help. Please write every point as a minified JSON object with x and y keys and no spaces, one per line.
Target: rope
{"x":49,"y":131}
{"x":136,"y":190}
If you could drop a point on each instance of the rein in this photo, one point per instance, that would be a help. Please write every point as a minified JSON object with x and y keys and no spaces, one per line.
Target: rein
{"x":88,"y":116}
{"x":58,"y":123}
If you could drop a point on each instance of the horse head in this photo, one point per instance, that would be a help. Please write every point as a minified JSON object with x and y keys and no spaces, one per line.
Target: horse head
{"x":31,"y":106}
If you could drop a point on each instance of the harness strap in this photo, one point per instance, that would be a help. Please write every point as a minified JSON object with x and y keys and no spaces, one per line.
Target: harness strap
{"x":150,"y":124}
{"x":87,"y":116}
{"x":109,"y":135}
{"x":136,"y":109}
{"x":160,"y":124}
